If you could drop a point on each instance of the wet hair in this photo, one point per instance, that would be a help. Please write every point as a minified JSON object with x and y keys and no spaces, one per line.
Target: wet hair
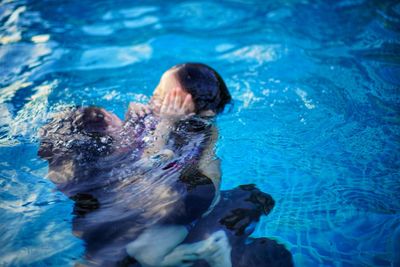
{"x":76,"y":131}
{"x":206,"y":86}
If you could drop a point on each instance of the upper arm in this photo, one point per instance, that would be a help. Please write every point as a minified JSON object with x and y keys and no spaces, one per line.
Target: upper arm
{"x":209,"y":164}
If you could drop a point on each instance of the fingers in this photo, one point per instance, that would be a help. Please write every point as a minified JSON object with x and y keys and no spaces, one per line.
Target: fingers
{"x":172,"y":101}
{"x":156,"y":104}
{"x":178,"y":99}
{"x":188,"y":105}
{"x":144,"y":110}
{"x":131,"y":106}
{"x":138,"y":110}
{"x":141,"y":111}
{"x":165,"y":103}
{"x":131,"y":110}
{"x":177,"y":103}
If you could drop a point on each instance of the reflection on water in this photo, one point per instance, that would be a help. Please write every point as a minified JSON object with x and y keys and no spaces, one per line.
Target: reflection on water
{"x":315,"y":121}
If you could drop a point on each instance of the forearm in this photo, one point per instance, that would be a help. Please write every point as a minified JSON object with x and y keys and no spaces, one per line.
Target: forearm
{"x":175,"y":106}
{"x":160,"y":137}
{"x":209,"y":164}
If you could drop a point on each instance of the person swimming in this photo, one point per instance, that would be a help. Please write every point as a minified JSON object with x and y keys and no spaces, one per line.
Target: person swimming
{"x":196,"y":89}
{"x":146,"y":189}
{"x":153,"y":175}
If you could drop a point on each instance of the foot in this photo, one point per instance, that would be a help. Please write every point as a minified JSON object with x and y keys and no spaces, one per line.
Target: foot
{"x":217,"y":250}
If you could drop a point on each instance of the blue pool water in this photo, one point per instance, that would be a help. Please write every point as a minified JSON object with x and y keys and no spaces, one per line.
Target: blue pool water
{"x":315,"y":120}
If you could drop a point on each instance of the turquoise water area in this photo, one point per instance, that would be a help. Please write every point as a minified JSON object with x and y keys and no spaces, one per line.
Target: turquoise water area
{"x":315,"y":120}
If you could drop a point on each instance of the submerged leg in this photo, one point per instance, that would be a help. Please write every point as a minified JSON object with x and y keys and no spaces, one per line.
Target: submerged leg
{"x":218,"y":250}
{"x":159,"y":246}
{"x":155,"y":243}
{"x":215,"y":250}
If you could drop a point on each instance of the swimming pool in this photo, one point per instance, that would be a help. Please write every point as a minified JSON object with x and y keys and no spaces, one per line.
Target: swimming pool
{"x":315,"y":121}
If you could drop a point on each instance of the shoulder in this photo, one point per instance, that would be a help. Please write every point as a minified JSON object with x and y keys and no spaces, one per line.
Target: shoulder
{"x":194,"y":124}
{"x":77,"y":130}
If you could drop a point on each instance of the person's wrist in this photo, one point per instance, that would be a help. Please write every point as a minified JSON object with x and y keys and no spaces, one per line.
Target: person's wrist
{"x":169,"y":118}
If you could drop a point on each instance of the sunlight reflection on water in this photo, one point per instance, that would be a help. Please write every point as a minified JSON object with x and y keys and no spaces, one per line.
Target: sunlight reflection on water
{"x":315,"y":121}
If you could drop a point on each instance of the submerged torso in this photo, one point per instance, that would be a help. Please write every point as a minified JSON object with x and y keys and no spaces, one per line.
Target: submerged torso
{"x":119,"y":193}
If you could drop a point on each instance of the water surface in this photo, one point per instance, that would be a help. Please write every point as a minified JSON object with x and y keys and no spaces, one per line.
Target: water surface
{"x":315,"y":121}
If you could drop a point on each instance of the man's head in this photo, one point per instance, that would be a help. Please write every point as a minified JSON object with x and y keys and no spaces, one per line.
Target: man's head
{"x":204,"y":84}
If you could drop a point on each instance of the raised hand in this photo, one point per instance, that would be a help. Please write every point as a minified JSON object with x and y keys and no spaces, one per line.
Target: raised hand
{"x":177,"y":104}
{"x":137,"y":110}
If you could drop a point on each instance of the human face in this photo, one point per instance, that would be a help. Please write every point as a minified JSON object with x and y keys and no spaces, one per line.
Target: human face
{"x":168,"y":83}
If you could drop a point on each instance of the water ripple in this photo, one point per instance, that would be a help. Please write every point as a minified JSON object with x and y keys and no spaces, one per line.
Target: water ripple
{"x":114,"y":57}
{"x":315,"y":119}
{"x":259,"y":53}
{"x":196,"y":16}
